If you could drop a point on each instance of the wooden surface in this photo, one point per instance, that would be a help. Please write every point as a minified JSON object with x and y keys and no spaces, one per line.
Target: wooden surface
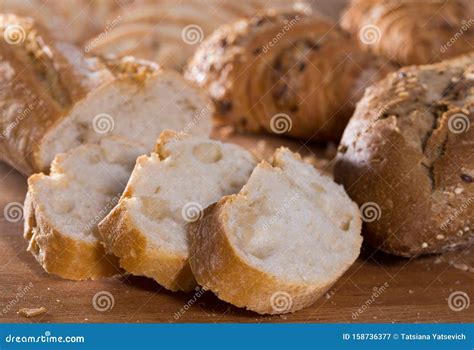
{"x":385,"y":288}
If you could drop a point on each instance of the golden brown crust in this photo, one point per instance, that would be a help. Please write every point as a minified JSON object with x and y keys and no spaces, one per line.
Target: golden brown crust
{"x":218,"y":267}
{"x":138,"y":256}
{"x":412,"y":32}
{"x":41,"y":80}
{"x":59,"y":254}
{"x":408,"y":150}
{"x":284,"y":62}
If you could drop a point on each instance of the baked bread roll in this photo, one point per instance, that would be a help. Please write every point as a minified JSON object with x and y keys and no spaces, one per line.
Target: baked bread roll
{"x":284,"y":72}
{"x":166,"y":191}
{"x":406,"y":158}
{"x":281,"y":242}
{"x":53,"y":98}
{"x":168,"y":32}
{"x":62,"y":209}
{"x":412,"y":31}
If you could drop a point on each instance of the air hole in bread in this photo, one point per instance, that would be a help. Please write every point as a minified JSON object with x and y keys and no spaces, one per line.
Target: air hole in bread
{"x":207,"y":152}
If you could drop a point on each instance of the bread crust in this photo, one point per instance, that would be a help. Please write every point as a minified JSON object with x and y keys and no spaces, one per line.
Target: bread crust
{"x":392,"y":28}
{"x":408,"y":151}
{"x":289,"y":63}
{"x":59,"y":254}
{"x":44,"y":80}
{"x":137,"y":256}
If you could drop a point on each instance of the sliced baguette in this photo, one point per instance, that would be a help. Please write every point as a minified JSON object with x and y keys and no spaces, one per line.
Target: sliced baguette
{"x":62,"y":209}
{"x":166,"y":191}
{"x":53,"y":98}
{"x":281,"y":242}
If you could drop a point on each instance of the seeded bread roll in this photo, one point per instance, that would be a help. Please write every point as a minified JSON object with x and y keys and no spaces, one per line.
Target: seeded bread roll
{"x":53,"y":98}
{"x":168,"y":32}
{"x":284,"y":72}
{"x":406,"y":158}
{"x":166,"y":191}
{"x":412,"y":31}
{"x":281,"y":242}
{"x":62,"y":209}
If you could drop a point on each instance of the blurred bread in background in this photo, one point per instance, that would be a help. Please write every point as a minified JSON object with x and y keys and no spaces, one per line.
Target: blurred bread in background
{"x":412,"y":31}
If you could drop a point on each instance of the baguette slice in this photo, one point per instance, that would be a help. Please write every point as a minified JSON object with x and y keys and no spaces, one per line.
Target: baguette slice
{"x":54,"y":98}
{"x":62,"y":209}
{"x":281,"y":242}
{"x":166,"y":191}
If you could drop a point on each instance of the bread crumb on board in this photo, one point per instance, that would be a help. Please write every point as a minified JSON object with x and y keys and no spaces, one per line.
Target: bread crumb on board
{"x":31,"y":312}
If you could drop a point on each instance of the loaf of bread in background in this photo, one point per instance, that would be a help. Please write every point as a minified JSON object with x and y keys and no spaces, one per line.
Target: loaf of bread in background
{"x":288,"y":73}
{"x":169,"y":31}
{"x":166,"y":191}
{"x":412,"y":31}
{"x":53,"y":98}
{"x":62,"y":209}
{"x":281,"y":242}
{"x":68,"y":20}
{"x":407,"y":159}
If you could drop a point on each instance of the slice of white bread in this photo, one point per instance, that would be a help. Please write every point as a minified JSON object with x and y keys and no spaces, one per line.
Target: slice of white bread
{"x":281,"y":242}
{"x":54,"y":98}
{"x":62,"y":209}
{"x":166,"y":191}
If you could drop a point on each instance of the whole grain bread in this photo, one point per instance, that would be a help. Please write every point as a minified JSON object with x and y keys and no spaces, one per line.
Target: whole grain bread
{"x":412,"y":31}
{"x":166,"y":191}
{"x":281,"y":242}
{"x":289,"y":72}
{"x":62,"y":209}
{"x":53,"y":98}
{"x":406,"y":158}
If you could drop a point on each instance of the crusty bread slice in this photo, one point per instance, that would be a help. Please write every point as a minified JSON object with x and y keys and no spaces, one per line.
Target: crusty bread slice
{"x":54,"y":98}
{"x":166,"y":191}
{"x":62,"y":209}
{"x":281,"y":242}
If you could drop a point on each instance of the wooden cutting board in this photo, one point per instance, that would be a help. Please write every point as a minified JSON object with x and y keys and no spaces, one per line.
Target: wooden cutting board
{"x":377,"y":288}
